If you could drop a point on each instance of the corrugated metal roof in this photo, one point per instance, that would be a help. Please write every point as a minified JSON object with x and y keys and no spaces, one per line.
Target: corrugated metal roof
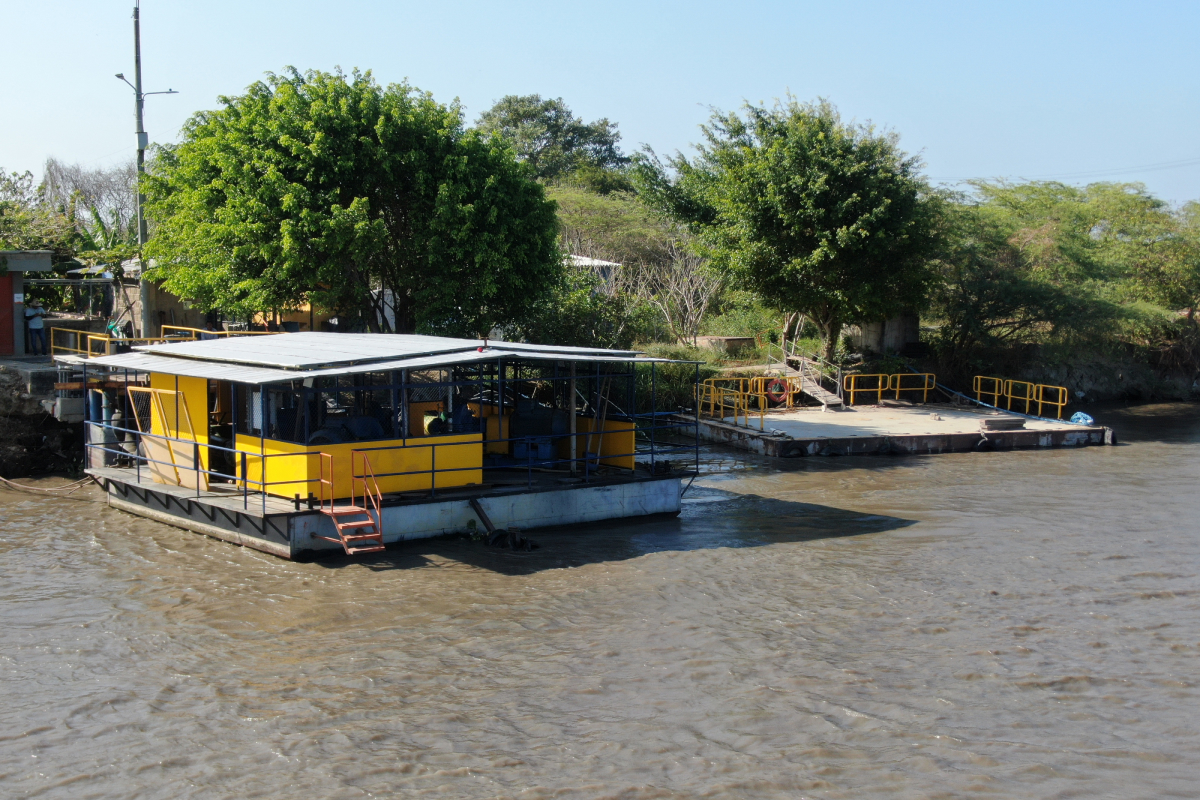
{"x":326,"y":350}
{"x":243,"y":373}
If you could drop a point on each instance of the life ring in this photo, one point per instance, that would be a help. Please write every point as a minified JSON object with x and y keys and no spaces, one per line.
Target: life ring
{"x":777,"y":391}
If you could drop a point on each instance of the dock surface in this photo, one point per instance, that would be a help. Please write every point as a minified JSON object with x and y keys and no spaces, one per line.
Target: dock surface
{"x":883,"y":429}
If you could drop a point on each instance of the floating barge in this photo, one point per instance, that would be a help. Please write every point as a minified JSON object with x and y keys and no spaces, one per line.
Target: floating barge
{"x":895,"y":429}
{"x":298,"y":442}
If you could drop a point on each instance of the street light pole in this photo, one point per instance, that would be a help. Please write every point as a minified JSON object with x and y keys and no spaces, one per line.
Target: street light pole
{"x":142,"y":144}
{"x":142,"y":141}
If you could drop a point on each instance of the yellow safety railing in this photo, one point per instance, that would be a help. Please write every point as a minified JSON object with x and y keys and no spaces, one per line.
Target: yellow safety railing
{"x":68,"y":341}
{"x":881,"y":384}
{"x":1058,"y":393}
{"x":928,"y":382}
{"x":991,"y":387}
{"x":184,"y":331}
{"x":736,"y":397}
{"x":1021,"y":391}
{"x":780,"y":390}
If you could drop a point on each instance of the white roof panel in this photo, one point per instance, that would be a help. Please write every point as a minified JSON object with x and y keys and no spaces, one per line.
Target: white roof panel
{"x":324,"y":350}
{"x":244,"y":373}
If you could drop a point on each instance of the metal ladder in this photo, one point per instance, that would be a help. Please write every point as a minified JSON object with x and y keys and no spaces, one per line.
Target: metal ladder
{"x":358,"y":526}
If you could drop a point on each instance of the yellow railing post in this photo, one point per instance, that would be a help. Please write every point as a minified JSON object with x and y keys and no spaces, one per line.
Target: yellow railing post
{"x":1019,"y":390}
{"x":1060,"y":397}
{"x":993,"y":387}
{"x":882,"y":383}
{"x":928,"y":381}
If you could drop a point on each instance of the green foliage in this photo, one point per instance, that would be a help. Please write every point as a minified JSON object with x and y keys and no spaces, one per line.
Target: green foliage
{"x":613,"y":227}
{"x":331,"y":189}
{"x":28,"y":223}
{"x":578,"y":313}
{"x":550,"y":139}
{"x":811,"y":213}
{"x":599,"y":180}
{"x":741,"y":313}
{"x":673,"y":384}
{"x":1050,"y":265}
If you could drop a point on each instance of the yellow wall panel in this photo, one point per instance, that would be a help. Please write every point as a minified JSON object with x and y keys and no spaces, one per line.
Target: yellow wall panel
{"x":291,"y":469}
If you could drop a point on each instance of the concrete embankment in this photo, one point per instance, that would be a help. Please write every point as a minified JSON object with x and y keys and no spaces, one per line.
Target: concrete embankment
{"x":31,"y":440}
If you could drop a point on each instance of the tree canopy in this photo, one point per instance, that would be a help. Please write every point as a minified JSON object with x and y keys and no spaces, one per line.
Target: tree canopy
{"x":551,"y":140}
{"x":812,"y":213}
{"x":362,"y":199}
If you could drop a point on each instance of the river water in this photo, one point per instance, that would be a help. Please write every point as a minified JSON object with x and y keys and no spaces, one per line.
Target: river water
{"x":984,"y":624}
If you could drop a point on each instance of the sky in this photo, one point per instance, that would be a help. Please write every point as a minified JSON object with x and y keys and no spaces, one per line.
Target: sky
{"x":1070,"y":91}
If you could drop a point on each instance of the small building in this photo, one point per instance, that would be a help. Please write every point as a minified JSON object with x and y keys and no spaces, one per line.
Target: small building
{"x":893,"y":335}
{"x":298,"y":441}
{"x":14,"y":265}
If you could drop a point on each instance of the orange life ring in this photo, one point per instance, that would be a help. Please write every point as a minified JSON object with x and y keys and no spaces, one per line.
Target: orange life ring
{"x":777,"y":391}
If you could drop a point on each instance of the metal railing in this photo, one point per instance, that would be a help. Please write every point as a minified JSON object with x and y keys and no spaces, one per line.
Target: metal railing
{"x":928,"y":384}
{"x":991,"y":387}
{"x":734,"y":397}
{"x":68,"y":341}
{"x":1019,"y":391}
{"x":1059,"y":395}
{"x":1025,"y":392}
{"x":185,"y":332}
{"x":881,"y":383}
{"x":587,"y":464}
{"x":812,"y":365}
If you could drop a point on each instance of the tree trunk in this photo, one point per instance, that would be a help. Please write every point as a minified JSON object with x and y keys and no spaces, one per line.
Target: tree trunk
{"x":830,"y":331}
{"x":783,"y":337}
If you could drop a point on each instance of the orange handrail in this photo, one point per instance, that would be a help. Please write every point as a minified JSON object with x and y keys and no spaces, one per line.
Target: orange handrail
{"x":326,"y":459}
{"x":371,"y":491}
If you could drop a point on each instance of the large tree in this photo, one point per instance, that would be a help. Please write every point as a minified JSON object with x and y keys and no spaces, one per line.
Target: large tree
{"x":812,"y":213}
{"x":551,"y":140}
{"x":331,"y":189}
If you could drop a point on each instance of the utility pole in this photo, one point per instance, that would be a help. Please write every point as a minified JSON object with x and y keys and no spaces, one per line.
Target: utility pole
{"x":142,"y":144}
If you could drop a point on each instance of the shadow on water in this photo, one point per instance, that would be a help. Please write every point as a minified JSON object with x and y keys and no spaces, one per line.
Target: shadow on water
{"x":1168,"y":423}
{"x":709,"y":520}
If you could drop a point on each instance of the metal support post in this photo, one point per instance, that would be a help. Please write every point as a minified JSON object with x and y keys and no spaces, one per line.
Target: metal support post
{"x":571,"y":406}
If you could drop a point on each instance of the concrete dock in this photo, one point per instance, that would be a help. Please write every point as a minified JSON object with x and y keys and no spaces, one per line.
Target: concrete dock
{"x":894,"y":429}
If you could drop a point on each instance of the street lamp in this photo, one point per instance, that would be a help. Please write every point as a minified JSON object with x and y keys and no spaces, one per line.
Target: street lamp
{"x":142,"y":143}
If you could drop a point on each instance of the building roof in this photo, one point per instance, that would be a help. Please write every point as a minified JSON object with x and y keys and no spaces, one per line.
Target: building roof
{"x":584,"y":261}
{"x":297,"y":356}
{"x":27,"y":260}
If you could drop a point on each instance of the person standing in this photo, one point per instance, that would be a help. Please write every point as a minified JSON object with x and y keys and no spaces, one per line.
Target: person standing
{"x":37,"y":330}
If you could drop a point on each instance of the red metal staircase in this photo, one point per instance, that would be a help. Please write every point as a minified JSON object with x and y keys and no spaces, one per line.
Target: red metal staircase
{"x":358,"y":525}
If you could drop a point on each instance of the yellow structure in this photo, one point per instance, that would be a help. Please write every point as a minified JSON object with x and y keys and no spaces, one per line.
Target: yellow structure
{"x":270,"y":415}
{"x":399,"y":465}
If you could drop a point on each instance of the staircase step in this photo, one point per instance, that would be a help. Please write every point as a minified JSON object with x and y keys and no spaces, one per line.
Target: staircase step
{"x":362,"y":537}
{"x":356,"y":550}
{"x":358,"y":523}
{"x":341,"y":511}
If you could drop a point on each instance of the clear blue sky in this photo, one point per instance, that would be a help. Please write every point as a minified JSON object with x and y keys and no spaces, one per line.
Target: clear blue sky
{"x":1071,"y":90}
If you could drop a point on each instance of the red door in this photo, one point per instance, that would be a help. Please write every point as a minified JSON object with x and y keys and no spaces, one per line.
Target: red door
{"x":6,"y":316}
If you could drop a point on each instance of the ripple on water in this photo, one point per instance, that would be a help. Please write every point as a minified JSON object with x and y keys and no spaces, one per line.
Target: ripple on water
{"x":1013,"y":624}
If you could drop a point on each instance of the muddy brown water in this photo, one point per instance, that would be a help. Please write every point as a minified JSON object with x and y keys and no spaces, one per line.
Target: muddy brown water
{"x":1005,"y":625}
